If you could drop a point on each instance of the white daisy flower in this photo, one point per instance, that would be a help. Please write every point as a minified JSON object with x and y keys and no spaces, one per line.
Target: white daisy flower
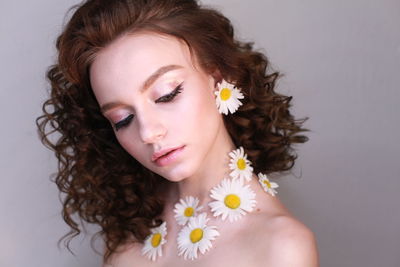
{"x":268,"y":186}
{"x":196,"y":236}
{"x":233,"y":199}
{"x":186,"y":209}
{"x":240,"y":165}
{"x":228,"y":97}
{"x":153,"y":243}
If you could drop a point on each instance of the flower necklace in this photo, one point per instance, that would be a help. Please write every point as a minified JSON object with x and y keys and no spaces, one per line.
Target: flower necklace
{"x":232,"y":200}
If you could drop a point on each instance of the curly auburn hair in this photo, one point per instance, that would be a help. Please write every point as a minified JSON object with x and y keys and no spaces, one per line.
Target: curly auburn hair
{"x":98,"y":180}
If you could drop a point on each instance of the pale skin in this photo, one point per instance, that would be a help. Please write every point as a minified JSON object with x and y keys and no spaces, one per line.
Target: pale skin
{"x":267,"y":236}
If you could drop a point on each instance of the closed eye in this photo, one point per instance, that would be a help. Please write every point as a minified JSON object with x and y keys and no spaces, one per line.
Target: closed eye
{"x":123,"y":123}
{"x":164,"y":99}
{"x":169,"y":97}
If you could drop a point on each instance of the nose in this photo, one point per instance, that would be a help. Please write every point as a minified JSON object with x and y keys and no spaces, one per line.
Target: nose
{"x":151,"y":128}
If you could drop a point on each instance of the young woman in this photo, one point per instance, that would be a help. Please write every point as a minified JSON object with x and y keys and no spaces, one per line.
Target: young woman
{"x":169,"y":127}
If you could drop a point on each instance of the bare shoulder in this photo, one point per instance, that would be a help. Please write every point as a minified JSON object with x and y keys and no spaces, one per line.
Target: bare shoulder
{"x":282,"y":240}
{"x":292,"y":243}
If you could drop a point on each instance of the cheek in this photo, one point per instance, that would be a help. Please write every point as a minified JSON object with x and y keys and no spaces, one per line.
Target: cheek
{"x":131,"y":146}
{"x":200,"y":114}
{"x":206,"y":107}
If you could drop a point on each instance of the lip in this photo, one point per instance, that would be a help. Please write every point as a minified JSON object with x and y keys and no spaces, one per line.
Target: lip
{"x":166,"y":156}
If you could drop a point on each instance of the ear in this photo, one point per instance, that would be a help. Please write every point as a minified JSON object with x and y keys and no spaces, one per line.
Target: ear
{"x":216,"y":74}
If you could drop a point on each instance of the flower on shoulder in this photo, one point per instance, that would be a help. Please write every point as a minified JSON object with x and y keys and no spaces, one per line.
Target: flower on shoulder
{"x":232,"y":199}
{"x":267,"y":185}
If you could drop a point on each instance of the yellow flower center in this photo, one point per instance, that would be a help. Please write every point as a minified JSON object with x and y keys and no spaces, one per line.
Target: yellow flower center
{"x":241,"y":164}
{"x":196,"y":235}
{"x":267,"y":183}
{"x":232,"y":201}
{"x":189,"y":212}
{"x":156,"y":240}
{"x":225,"y":94}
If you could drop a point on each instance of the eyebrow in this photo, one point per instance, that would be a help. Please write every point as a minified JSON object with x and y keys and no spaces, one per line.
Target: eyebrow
{"x":147,"y":83}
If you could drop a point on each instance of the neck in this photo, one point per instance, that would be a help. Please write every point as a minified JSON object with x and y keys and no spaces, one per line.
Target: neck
{"x":214,"y":168}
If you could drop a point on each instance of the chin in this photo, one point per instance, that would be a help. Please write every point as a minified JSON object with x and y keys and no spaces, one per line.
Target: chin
{"x":177,"y":175}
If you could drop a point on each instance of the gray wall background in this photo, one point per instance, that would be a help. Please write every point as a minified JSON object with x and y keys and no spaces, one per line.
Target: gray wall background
{"x":341,"y":61}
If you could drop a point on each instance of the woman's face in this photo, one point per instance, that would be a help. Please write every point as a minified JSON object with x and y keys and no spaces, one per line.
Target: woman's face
{"x":160,"y":103}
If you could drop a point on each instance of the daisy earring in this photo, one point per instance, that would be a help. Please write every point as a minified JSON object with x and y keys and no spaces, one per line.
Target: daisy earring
{"x":227,"y":97}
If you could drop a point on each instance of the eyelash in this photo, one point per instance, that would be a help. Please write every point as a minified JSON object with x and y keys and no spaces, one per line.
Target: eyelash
{"x":164,"y":99}
{"x":169,"y":97}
